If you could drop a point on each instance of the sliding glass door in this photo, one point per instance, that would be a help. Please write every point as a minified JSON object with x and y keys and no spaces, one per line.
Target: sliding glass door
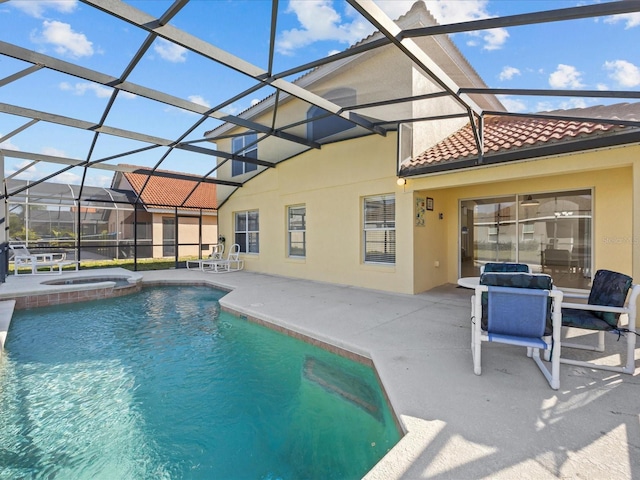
{"x":551,"y":232}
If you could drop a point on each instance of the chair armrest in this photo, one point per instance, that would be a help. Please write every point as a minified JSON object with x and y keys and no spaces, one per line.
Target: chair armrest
{"x":595,"y":308}
{"x":575,"y":293}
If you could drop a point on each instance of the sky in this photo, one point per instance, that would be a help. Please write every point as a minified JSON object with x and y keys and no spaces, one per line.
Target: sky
{"x":590,"y":54}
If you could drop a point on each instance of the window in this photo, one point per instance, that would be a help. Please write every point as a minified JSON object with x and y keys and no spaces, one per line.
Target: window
{"x":247,"y":231}
{"x":528,"y":230}
{"x":329,"y":124}
{"x":297,"y":229}
{"x":380,"y":229}
{"x":493,"y":234}
{"x":244,"y":145}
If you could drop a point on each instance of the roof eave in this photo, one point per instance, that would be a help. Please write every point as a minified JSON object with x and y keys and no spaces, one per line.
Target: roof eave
{"x":559,"y":148}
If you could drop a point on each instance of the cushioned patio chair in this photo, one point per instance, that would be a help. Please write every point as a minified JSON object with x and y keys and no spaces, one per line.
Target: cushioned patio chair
{"x":606,"y":303}
{"x":216,"y":254}
{"x":39,"y":263}
{"x":232,"y":263}
{"x":525,"y":313}
{"x":504,"y":267}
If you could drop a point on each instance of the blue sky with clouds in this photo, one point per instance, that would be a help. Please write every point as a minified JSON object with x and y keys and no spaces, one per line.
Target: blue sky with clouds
{"x":583,"y":54}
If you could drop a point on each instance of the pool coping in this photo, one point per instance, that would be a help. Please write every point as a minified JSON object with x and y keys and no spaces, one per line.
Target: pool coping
{"x":504,"y":424}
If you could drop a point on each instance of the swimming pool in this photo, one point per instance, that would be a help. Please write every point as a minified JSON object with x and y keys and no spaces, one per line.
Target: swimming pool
{"x":162,"y":384}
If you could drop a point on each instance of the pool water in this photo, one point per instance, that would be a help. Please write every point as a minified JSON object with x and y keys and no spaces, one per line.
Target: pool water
{"x":162,"y":384}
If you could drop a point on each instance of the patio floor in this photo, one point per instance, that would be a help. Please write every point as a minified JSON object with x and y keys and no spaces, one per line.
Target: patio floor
{"x":506,"y":423}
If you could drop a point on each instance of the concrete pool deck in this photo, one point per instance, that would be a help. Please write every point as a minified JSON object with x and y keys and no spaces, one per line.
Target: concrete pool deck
{"x":506,"y":423}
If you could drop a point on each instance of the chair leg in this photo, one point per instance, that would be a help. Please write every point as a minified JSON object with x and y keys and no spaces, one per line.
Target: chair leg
{"x":476,"y":336}
{"x":600,"y":347}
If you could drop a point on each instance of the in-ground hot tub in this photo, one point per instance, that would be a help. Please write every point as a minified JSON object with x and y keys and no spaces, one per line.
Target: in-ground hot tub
{"x":119,"y":280}
{"x":79,"y":288}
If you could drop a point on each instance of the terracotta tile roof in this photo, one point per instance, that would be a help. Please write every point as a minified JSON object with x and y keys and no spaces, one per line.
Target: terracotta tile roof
{"x":510,"y":133}
{"x":163,"y":191}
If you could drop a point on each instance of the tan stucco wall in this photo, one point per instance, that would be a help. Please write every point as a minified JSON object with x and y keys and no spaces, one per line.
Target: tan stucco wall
{"x":187,"y":233}
{"x":611,"y":173}
{"x":331,"y":183}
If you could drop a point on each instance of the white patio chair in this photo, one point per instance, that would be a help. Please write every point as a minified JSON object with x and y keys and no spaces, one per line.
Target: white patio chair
{"x":232,"y":263}
{"x":216,"y":254}
{"x":38,"y":262}
{"x":519,"y":316}
{"x":607,"y":303}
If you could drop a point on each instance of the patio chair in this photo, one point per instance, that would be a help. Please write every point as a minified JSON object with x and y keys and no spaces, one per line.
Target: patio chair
{"x":504,"y":267}
{"x":606,"y":303}
{"x":232,"y":263}
{"x":522,"y":315}
{"x":38,"y":263}
{"x":216,"y":254}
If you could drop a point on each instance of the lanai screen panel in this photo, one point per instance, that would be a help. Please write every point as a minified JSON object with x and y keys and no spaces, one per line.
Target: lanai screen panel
{"x":86,"y":87}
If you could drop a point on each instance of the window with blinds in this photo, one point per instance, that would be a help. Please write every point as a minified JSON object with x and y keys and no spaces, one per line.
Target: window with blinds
{"x":247,"y":233}
{"x":380,"y":229}
{"x":297,"y":229}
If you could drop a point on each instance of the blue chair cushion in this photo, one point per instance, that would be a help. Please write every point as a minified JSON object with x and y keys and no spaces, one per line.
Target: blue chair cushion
{"x":609,"y":289}
{"x":506,"y":267}
{"x":517,"y":312}
{"x":583,"y":319}
{"x":517,"y":280}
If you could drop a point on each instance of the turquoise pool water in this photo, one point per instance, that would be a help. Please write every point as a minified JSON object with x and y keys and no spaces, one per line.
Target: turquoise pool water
{"x":162,"y":384}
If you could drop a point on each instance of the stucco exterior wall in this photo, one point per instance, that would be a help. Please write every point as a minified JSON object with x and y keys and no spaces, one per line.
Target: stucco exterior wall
{"x":611,"y":173}
{"x":187,"y":233}
{"x":331,"y":183}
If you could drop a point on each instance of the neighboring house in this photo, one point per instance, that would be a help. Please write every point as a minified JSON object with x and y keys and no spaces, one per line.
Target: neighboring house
{"x":557,"y":194}
{"x":193,"y":219}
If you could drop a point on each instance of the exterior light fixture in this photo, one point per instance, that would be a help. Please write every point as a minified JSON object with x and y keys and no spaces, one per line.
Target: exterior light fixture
{"x":401,"y":181}
{"x":529,"y":202}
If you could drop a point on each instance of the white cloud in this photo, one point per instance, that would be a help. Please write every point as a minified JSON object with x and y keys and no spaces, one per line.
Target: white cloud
{"x":95,"y":180}
{"x":255,"y":101}
{"x":574,"y":103}
{"x":603,"y":87}
{"x":82,"y":87}
{"x":199,"y":100}
{"x":65,"y":40}
{"x":53,"y":152}
{"x":512,"y":104}
{"x":36,"y":8}
{"x":319,"y":21}
{"x":446,"y":12}
{"x":508,"y":73}
{"x":68,"y":177}
{"x":7,"y":145}
{"x":623,"y":72}
{"x":170,"y":51}
{"x":630,"y":19}
{"x":563,"y":105}
{"x":565,"y":76}
{"x":494,"y":39}
{"x":545,"y":106}
{"x":28,"y":174}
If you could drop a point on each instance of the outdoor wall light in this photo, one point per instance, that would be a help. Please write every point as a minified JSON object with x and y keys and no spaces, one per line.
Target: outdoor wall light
{"x":401,"y":181}
{"x":529,"y":202}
